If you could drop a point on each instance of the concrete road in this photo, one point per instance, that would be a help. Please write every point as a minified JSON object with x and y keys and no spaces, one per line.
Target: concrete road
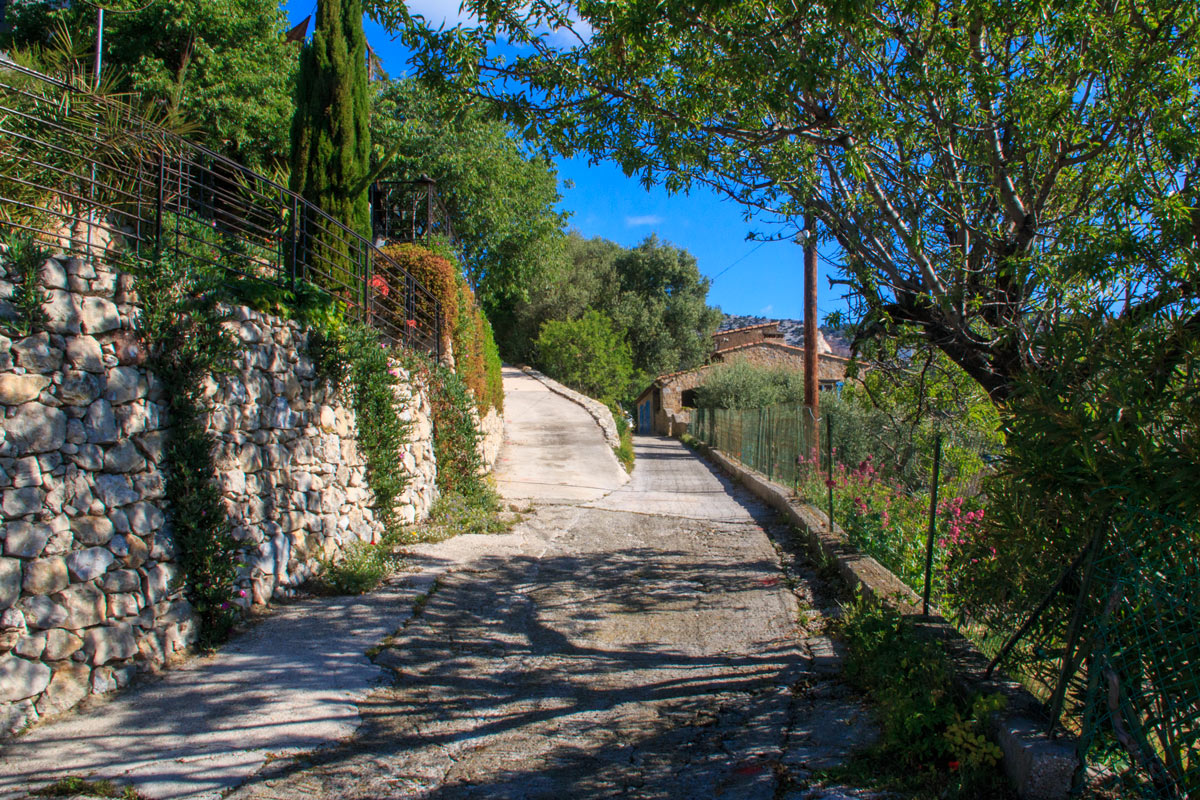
{"x":628,"y":639}
{"x":553,"y":451}
{"x":642,"y":644}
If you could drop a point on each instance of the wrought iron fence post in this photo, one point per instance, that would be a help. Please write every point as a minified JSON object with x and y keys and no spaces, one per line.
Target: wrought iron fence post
{"x":933,"y":501}
{"x":293,"y":235}
{"x":437,"y":328}
{"x":158,"y":207}
{"x":410,"y":309}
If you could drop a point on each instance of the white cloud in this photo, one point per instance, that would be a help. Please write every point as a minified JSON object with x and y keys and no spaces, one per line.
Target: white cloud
{"x":649,"y":219}
{"x":766,"y":310}
{"x":451,"y":12}
{"x":436,"y":12}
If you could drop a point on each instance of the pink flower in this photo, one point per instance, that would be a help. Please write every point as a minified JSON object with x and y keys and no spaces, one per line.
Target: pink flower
{"x":380,"y":285}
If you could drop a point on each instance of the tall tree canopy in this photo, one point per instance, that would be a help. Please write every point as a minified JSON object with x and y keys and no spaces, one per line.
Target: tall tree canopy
{"x":331,"y":135}
{"x":223,"y":65}
{"x":988,"y":167}
{"x":653,"y":294}
{"x":501,"y":197}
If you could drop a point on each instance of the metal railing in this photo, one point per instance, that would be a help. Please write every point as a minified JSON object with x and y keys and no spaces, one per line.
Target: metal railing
{"x":409,"y":211}
{"x":92,"y":179}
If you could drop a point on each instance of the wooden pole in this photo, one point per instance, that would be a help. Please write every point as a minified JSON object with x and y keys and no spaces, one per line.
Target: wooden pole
{"x":811,"y":384}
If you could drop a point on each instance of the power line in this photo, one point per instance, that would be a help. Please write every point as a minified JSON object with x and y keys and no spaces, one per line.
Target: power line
{"x":735,"y":263}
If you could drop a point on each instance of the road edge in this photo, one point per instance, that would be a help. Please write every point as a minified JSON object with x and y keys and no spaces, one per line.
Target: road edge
{"x":598,"y":411}
{"x":1040,"y":768}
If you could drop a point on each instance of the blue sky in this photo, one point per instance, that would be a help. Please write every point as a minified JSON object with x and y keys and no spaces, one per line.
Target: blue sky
{"x":748,"y":277}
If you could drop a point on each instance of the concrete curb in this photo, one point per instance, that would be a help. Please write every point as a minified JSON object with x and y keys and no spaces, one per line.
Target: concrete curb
{"x":1039,"y":767}
{"x":598,"y":410}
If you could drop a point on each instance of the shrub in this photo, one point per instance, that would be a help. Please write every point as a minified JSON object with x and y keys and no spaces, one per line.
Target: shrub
{"x":587,"y":354}
{"x":929,"y":736}
{"x":455,"y":435}
{"x":23,"y":258}
{"x":624,"y":450}
{"x":464,"y":327}
{"x":362,"y":568}
{"x":455,"y":513}
{"x":740,"y":384}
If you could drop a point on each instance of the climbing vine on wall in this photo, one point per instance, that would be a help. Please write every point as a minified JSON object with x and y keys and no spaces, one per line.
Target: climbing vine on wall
{"x":352,"y":358}
{"x":181,"y":329}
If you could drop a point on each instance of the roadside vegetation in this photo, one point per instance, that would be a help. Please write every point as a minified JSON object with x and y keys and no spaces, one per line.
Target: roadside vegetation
{"x":933,"y":743}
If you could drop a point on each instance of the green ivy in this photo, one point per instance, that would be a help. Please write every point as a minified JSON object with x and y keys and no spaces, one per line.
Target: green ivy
{"x":24,"y":257}
{"x":353,"y":359}
{"x":181,"y":326}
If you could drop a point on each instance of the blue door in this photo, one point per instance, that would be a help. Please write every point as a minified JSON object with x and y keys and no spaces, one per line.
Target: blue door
{"x":644,"y":423}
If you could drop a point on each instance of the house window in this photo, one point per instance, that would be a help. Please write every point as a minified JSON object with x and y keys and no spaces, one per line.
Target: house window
{"x":689,"y":398}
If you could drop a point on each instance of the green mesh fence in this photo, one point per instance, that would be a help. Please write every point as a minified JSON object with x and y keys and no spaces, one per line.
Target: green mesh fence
{"x":1141,"y":658}
{"x":881,"y":475}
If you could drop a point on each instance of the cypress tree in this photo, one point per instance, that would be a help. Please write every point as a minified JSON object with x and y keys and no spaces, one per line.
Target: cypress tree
{"x":331,"y":138}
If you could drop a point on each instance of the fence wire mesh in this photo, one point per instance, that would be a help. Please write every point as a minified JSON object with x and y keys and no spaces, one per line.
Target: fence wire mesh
{"x":86,"y":176}
{"x":875,"y":475}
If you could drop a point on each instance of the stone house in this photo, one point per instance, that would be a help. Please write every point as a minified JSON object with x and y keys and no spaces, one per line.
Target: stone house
{"x":664,"y":407}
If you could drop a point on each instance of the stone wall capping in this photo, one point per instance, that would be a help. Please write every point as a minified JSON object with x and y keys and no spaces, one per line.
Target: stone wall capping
{"x":1040,"y":768}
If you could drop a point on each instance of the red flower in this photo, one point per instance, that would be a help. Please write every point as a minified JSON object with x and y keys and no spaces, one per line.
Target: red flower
{"x":380,"y":285}
{"x":954,"y":765}
{"x":412,"y":323}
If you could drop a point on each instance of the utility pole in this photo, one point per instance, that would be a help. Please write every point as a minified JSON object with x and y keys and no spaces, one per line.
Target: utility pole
{"x":811,"y":383}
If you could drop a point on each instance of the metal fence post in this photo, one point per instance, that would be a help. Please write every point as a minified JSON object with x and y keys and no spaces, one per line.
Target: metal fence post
{"x":933,"y":501}
{"x":829,"y":456}
{"x":158,"y":206}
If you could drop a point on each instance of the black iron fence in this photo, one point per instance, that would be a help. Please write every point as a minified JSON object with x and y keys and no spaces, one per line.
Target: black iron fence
{"x":409,"y":211}
{"x":92,"y":179}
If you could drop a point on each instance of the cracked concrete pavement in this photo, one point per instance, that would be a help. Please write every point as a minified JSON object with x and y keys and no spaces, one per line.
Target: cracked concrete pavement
{"x":644,"y":638}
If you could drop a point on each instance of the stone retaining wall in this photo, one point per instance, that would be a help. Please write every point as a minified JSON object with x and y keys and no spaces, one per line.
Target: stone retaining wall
{"x":90,"y":587}
{"x":492,"y":428}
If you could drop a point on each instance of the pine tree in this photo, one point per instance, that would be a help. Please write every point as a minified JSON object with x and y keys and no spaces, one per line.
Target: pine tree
{"x":331,"y":138}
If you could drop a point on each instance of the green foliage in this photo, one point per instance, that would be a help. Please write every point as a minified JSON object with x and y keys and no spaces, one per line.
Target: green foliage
{"x":659,"y":302}
{"x":974,"y":188}
{"x":72,"y":786}
{"x":372,"y":380}
{"x":181,"y":325}
{"x":741,"y":384}
{"x":23,"y":258}
{"x":361,"y":568}
{"x":653,"y":295}
{"x":587,"y":354}
{"x":501,"y":197}
{"x":455,"y":513}
{"x":331,"y":137}
{"x":624,"y":450}
{"x":222,"y":65}
{"x":927,"y":733}
{"x":309,"y":305}
{"x":464,"y":327}
{"x":456,"y":438}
